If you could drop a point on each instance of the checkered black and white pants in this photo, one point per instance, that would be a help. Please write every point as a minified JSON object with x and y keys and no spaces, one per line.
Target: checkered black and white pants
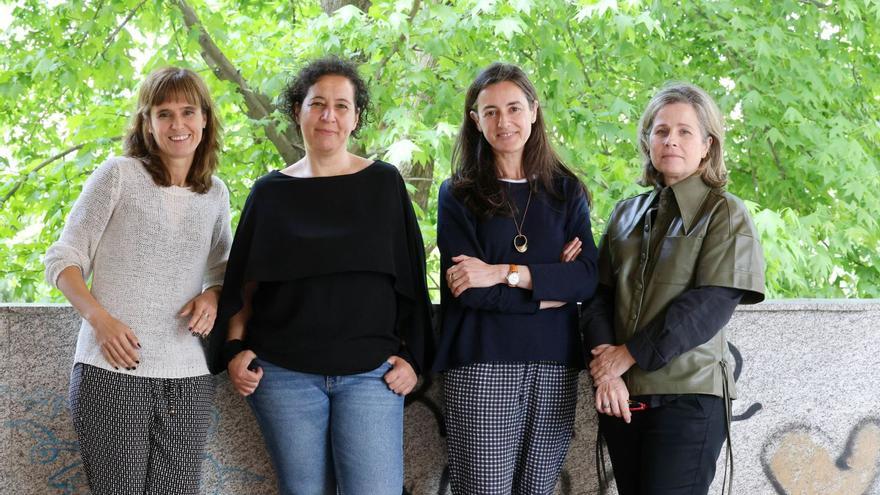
{"x":509,"y":426}
{"x":138,"y":435}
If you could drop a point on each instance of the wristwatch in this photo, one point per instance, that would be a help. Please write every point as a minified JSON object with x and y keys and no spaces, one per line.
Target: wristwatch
{"x":512,"y":276}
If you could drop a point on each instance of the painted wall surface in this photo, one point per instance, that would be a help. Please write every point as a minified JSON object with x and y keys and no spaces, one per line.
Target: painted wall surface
{"x":807,"y":420}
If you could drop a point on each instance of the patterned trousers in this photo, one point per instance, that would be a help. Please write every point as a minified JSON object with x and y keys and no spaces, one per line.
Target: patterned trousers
{"x":509,"y":426}
{"x":138,"y":435}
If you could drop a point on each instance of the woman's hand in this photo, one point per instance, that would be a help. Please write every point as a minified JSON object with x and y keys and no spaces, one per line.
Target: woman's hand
{"x":612,"y":398}
{"x":203,"y":309}
{"x":551,"y":304}
{"x":244,"y":380}
{"x":469,"y":272}
{"x":609,"y":361}
{"x":571,"y":250}
{"x":401,"y":378}
{"x":118,"y":342}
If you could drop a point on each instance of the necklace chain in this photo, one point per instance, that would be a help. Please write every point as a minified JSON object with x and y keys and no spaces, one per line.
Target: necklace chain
{"x":520,"y":241}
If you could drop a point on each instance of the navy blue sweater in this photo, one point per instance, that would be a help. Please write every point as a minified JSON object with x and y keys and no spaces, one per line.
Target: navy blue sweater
{"x":502,"y":323}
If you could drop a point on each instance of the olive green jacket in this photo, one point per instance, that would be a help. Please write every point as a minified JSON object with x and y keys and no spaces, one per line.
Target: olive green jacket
{"x":701,"y":236}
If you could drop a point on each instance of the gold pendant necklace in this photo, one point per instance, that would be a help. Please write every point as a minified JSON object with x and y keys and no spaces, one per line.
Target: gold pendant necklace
{"x":520,"y":241}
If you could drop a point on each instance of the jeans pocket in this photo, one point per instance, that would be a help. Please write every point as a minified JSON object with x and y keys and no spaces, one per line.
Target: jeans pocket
{"x":705,"y":405}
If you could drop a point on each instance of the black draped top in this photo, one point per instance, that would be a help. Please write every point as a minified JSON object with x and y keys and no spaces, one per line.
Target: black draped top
{"x":340,"y":267}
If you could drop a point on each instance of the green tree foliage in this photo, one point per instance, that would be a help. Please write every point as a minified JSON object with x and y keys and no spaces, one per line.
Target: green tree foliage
{"x":799,"y":82}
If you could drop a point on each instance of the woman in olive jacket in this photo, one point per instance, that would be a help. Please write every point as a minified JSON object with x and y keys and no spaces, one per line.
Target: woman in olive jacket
{"x":674,"y":262}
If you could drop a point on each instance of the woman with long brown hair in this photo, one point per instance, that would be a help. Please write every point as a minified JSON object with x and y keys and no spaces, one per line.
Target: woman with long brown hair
{"x":517,"y":254}
{"x":151,"y":228}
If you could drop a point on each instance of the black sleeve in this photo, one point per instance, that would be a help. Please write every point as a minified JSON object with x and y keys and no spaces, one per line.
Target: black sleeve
{"x":456,"y":234}
{"x":691,"y":319}
{"x":597,"y":320}
{"x":572,"y":281}
{"x":414,"y":321}
{"x":232,"y":294}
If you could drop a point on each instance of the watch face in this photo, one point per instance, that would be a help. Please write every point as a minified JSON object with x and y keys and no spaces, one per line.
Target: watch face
{"x":513,"y":278}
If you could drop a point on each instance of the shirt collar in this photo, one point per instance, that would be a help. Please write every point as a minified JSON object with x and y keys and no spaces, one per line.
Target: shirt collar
{"x":689,"y":194}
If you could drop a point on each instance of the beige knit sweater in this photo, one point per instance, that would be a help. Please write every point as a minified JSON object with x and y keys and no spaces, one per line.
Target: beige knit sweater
{"x":148,"y":250}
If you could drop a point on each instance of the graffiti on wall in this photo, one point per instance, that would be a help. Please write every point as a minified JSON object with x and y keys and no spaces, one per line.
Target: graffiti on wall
{"x":42,"y":428}
{"x":800,"y":459}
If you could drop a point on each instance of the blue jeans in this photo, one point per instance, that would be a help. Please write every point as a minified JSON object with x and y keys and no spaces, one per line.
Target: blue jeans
{"x":329,"y":433}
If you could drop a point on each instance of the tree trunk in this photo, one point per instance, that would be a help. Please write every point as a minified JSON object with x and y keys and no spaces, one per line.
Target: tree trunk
{"x":258,"y":105}
{"x":331,"y":6}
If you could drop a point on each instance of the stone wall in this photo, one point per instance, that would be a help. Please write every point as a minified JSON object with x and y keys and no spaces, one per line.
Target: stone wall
{"x":806,"y":421}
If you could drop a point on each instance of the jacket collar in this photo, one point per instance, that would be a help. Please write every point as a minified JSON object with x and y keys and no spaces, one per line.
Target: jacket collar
{"x":689,"y":194}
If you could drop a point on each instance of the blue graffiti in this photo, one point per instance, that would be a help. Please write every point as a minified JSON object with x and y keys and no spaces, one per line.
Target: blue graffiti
{"x":43,"y":418}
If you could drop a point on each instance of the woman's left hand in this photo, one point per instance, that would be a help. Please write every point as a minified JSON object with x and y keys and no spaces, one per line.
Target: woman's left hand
{"x":203,"y":309}
{"x":609,"y":361}
{"x":401,"y":378}
{"x":469,"y":272}
{"x":612,"y":398}
{"x":571,"y":250}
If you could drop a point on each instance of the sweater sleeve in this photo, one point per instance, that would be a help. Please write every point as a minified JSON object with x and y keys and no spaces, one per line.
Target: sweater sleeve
{"x":456,"y":235}
{"x":85,"y":225}
{"x":573,"y":281}
{"x":221,"y":240}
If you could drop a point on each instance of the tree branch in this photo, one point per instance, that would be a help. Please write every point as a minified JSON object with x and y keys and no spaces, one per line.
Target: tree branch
{"x":817,"y":4}
{"x":48,"y":161}
{"x":109,"y":40}
{"x":578,"y":54}
{"x":776,"y":160}
{"x":259,"y":107}
{"x":400,"y":41}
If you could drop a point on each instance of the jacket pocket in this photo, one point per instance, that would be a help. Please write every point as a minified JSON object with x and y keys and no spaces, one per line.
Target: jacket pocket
{"x":677,"y":260}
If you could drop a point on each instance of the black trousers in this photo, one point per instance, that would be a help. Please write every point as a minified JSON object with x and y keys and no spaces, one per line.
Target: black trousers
{"x":138,"y":435}
{"x":667,"y":450}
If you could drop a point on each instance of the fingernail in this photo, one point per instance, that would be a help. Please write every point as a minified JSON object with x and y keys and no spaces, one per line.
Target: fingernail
{"x":190,"y":329}
{"x":116,"y":367}
{"x":138,"y":362}
{"x":139,"y":345}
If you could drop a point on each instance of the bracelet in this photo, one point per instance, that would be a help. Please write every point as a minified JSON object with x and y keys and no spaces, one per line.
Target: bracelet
{"x":231,"y":348}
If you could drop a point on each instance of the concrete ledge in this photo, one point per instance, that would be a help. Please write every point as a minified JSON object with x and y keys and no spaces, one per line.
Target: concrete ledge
{"x":805,"y":421}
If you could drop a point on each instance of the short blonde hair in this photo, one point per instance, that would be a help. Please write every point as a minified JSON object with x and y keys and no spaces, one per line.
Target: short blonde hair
{"x":712,"y":169}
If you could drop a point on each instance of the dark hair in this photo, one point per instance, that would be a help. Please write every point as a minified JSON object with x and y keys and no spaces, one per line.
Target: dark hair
{"x":295,"y":92}
{"x":474,"y":178}
{"x":164,"y":85}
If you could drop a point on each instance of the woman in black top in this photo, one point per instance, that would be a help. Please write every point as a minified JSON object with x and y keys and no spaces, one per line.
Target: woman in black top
{"x":327,"y":306}
{"x":517,"y":252}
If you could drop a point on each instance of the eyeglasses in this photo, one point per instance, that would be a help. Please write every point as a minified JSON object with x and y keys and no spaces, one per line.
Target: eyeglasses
{"x":636,"y":405}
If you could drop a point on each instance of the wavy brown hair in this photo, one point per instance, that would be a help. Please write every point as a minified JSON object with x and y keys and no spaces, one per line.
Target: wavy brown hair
{"x":170,"y":84}
{"x":475,"y":178}
{"x":712,"y":169}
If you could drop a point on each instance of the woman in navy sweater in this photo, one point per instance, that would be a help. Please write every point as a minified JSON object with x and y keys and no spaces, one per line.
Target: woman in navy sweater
{"x":517,"y":254}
